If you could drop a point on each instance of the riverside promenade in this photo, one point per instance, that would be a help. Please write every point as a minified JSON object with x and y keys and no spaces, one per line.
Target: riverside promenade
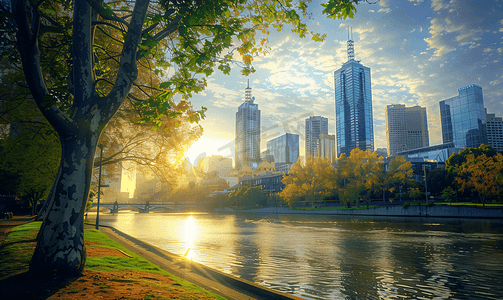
{"x":226,"y":285}
{"x":436,"y":211}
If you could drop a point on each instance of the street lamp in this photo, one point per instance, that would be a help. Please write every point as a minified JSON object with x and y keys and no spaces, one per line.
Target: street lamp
{"x":425,"y":183}
{"x":99,"y":188}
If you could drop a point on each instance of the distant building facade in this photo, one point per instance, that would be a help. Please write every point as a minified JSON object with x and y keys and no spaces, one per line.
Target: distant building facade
{"x":314,"y":127}
{"x":247,"y":140}
{"x":382,"y":152}
{"x":464,"y":119}
{"x":353,"y":106}
{"x":284,"y":149}
{"x":494,"y":128}
{"x":406,"y":128}
{"x":326,"y":147}
{"x":438,"y":153}
{"x":216,"y":164}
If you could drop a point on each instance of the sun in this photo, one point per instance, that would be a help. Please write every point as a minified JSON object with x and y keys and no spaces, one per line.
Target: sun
{"x":209,"y":145}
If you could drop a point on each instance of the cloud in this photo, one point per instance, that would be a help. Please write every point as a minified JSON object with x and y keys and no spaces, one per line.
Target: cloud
{"x":385,"y":10}
{"x":437,"y":5}
{"x":408,"y":66}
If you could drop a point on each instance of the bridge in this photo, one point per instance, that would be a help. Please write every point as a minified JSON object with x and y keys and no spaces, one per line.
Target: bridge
{"x":146,"y":207}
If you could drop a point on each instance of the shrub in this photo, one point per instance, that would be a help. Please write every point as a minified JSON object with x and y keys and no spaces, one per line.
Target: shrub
{"x":406,"y":204}
{"x":448,"y":194}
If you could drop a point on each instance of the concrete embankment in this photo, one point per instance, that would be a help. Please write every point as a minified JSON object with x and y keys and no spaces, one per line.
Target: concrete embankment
{"x":437,"y":211}
{"x":226,"y":285}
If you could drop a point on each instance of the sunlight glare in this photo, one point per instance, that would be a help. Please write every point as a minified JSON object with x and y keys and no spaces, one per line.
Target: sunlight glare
{"x":190,"y":233}
{"x":208,"y":145}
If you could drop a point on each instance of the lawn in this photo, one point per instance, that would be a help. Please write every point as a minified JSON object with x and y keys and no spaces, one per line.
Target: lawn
{"x":112,"y":272}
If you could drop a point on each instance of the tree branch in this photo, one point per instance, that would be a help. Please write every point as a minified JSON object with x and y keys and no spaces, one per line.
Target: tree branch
{"x":28,"y":49}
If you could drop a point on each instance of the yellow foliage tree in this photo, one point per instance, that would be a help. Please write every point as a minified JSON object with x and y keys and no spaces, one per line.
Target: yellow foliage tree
{"x":309,"y":180}
{"x":399,"y":174}
{"x":357,"y":175}
{"x":481,"y":173}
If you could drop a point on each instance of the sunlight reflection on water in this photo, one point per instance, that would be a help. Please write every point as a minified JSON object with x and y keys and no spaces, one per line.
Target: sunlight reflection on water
{"x":320,"y":257}
{"x":190,"y":233}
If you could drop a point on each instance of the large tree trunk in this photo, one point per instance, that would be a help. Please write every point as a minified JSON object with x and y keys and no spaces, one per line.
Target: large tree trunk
{"x":47,"y":203}
{"x":60,"y":246}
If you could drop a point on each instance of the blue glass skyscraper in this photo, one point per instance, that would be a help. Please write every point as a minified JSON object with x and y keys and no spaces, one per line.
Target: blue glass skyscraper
{"x":285,"y":148}
{"x":247,"y":131}
{"x":353,"y":106}
{"x":463,"y":118}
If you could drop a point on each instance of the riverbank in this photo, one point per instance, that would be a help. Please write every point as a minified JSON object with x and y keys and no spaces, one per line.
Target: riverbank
{"x":118,"y":267}
{"x":436,"y":211}
{"x":112,"y":272}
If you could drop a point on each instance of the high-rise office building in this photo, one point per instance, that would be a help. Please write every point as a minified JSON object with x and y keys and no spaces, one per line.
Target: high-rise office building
{"x":284,"y":149}
{"x":494,"y":131}
{"x":353,"y":106}
{"x":464,"y":119}
{"x":326,"y":147}
{"x":247,"y":131}
{"x":314,"y":127}
{"x":406,"y":128}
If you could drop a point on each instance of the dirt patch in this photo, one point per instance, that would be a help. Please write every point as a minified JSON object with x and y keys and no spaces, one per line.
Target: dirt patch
{"x":99,"y":252}
{"x":97,"y":285}
{"x":116,"y":285}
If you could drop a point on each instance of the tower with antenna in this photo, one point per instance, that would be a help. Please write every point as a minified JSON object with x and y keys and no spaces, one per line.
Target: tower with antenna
{"x":351,"y":45}
{"x":247,"y":140}
{"x":353,"y":104}
{"x":248,"y":96}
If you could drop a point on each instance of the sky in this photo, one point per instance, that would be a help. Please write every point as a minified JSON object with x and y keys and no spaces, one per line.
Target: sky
{"x":420,"y":52}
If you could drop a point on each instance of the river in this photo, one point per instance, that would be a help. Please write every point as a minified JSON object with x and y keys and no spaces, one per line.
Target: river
{"x":335,"y":257}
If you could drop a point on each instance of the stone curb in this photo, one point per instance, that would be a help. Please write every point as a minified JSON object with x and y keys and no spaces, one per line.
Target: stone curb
{"x":211,"y":279}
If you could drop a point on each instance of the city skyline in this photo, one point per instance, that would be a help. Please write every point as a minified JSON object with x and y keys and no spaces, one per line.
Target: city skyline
{"x":420,"y":53}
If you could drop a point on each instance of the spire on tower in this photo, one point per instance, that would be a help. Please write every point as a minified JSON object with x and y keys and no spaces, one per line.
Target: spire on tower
{"x":248,"y":96}
{"x":351,"y":46}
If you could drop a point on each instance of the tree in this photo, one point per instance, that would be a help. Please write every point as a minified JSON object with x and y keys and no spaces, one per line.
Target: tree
{"x":358,"y":174}
{"x":30,"y":153}
{"x":454,"y":164}
{"x":480,"y":173}
{"x":310,"y":180}
{"x":247,"y":197}
{"x":34,"y":159}
{"x":448,"y":194}
{"x":398,"y":175}
{"x":71,"y":88}
{"x":438,"y":179}
{"x":415,"y":193}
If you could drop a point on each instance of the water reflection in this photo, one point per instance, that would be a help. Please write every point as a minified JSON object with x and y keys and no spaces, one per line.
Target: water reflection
{"x":190,"y":233}
{"x":323,"y":257}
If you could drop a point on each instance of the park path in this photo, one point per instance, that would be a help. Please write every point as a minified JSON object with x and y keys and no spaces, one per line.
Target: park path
{"x":6,"y":225}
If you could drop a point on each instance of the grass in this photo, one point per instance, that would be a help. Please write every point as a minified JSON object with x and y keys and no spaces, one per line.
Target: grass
{"x":337,"y":207}
{"x":498,"y":205}
{"x":18,"y":247}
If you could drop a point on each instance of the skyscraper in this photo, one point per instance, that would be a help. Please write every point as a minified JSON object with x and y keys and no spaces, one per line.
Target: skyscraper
{"x":326,"y":147}
{"x":463,"y":118}
{"x":247,"y":131}
{"x":494,"y":131}
{"x":314,"y":127}
{"x":406,"y":128}
{"x":285,"y":148}
{"x":353,"y":106}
